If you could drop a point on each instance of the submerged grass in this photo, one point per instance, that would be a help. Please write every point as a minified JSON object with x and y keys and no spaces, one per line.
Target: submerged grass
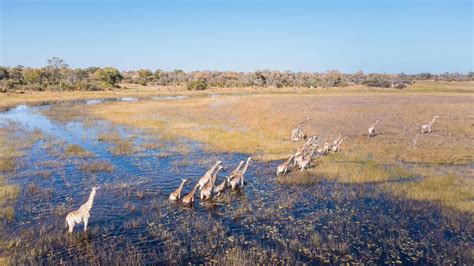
{"x":123,"y":147}
{"x":76,"y":150}
{"x":96,"y":166}
{"x":11,"y":146}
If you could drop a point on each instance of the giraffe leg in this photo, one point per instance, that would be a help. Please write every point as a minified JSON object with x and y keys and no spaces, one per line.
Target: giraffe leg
{"x":85,"y":223}
{"x":71,"y":225}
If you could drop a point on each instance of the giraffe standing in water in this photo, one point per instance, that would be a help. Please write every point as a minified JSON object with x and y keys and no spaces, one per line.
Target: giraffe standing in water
{"x":239,"y":177}
{"x":206,"y":191}
{"x":219,"y":188}
{"x":176,"y":195}
{"x":189,"y":198}
{"x":82,"y":214}
{"x":283,"y":167}
{"x":207,"y":176}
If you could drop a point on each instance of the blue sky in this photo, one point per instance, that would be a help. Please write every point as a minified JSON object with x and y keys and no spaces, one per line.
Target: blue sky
{"x":373,"y":36}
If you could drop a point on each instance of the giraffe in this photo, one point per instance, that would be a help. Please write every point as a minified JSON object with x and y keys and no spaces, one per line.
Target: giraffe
{"x":303,"y":150}
{"x":219,"y":188}
{"x":239,"y":177}
{"x":372,"y":129}
{"x":207,"y":176}
{"x":189,"y":198}
{"x":337,"y":140}
{"x":243,"y":170}
{"x":283,"y":167}
{"x":176,"y":195}
{"x":326,"y":146}
{"x":307,"y":159}
{"x":427,"y":127}
{"x":82,"y":214}
{"x":206,"y":191}
{"x":337,"y":147}
{"x":297,"y":132}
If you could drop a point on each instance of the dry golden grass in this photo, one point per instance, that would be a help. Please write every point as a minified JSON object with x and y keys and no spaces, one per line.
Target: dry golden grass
{"x":260,"y":124}
{"x":449,"y":190}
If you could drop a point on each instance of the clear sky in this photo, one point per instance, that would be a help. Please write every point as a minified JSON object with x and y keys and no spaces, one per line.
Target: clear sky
{"x":390,"y":36}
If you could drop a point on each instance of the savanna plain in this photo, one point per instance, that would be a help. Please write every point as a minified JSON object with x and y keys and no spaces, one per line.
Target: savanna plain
{"x":399,"y":196}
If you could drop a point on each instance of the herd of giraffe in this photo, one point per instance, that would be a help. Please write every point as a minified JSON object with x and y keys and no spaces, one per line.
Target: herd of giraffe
{"x":235,"y":180}
{"x":303,"y":156}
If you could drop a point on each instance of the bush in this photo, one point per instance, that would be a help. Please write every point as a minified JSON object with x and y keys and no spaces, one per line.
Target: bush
{"x":109,"y":76}
{"x":199,"y":85}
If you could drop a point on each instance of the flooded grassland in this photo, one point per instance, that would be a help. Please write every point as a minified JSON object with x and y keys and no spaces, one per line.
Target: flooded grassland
{"x":52,"y":155}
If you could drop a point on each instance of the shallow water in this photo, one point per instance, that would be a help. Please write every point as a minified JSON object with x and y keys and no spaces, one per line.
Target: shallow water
{"x":133,"y":221}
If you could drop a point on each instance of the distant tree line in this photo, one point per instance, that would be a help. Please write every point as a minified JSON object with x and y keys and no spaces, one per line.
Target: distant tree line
{"x":57,"y":75}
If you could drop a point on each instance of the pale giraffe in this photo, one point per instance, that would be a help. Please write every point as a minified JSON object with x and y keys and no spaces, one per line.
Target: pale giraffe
{"x":326,"y":146}
{"x":307,"y":159}
{"x":303,"y":149}
{"x":189,"y":198}
{"x":207,"y":176}
{"x":337,"y":147}
{"x":371,"y":129}
{"x":283,"y":167}
{"x":176,"y":195}
{"x":82,"y":214}
{"x":337,"y":140}
{"x":206,"y":191}
{"x":427,"y":127}
{"x":218,"y":189}
{"x":239,"y":177}
{"x":297,"y":132}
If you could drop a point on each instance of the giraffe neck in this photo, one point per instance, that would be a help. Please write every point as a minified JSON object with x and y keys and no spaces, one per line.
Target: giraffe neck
{"x":432,"y":121}
{"x":212,"y":169}
{"x":213,"y":179}
{"x":245,"y":167}
{"x":180,"y":188}
{"x":88,"y":205}
{"x":194,"y":190}
{"x":236,"y":170}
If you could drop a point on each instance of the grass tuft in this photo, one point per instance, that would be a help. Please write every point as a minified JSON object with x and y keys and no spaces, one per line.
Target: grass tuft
{"x":76,"y":150}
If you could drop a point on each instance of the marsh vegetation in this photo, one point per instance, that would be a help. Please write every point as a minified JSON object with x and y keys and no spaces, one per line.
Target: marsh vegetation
{"x":379,"y":200}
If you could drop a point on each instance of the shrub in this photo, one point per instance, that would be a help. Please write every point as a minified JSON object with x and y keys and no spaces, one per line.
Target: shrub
{"x":199,"y":85}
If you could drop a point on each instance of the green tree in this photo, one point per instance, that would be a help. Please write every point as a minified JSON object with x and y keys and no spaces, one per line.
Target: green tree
{"x":56,"y":66}
{"x":35,"y":76}
{"x":109,"y":76}
{"x":16,"y":74}
{"x":3,"y":73}
{"x":144,"y":76}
